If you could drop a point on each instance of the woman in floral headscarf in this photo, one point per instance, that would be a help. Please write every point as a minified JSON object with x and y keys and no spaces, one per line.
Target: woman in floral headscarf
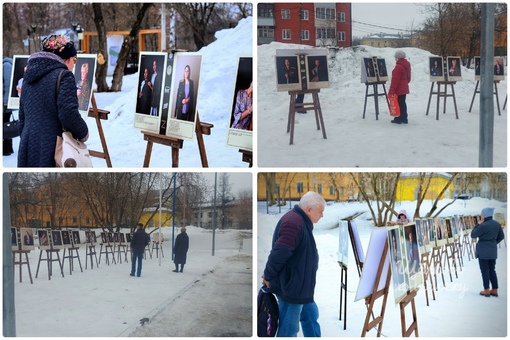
{"x":43,"y":112}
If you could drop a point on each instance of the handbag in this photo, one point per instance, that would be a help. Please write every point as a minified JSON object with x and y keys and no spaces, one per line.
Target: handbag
{"x":394,"y":107}
{"x":71,"y":153}
{"x":11,"y":129}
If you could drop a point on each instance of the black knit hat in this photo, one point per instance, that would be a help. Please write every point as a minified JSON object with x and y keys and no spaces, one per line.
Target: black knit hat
{"x":60,"y":45}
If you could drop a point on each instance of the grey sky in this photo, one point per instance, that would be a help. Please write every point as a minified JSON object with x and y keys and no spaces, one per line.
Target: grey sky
{"x":239,"y":180}
{"x":392,"y":17}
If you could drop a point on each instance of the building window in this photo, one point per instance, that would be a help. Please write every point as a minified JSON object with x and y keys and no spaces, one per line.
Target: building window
{"x":331,"y":189}
{"x":305,"y":35}
{"x":209,"y":214}
{"x":325,"y":33}
{"x":286,"y":34}
{"x":75,"y":219}
{"x":341,"y":16}
{"x":324,"y":13}
{"x":285,"y":13}
{"x":87,"y":220}
{"x":299,"y":187}
{"x":304,"y":14}
{"x":341,"y":36}
{"x":342,"y":191}
{"x":196,"y":215}
{"x":266,"y":33}
{"x":265,"y":12}
{"x":319,"y":188}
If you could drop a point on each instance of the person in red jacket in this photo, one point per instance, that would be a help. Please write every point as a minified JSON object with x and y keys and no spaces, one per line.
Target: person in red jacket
{"x":400,"y":79}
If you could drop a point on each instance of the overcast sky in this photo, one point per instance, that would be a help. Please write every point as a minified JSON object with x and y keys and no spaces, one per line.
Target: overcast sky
{"x":385,"y":17}
{"x":238,"y":180}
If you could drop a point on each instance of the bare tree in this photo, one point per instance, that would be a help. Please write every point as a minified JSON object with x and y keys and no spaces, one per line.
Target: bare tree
{"x":196,"y":16}
{"x":270,"y":181}
{"x":102,"y":67}
{"x":242,"y":211}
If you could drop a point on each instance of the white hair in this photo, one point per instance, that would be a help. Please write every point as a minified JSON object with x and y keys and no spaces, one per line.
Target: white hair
{"x":311,"y":199}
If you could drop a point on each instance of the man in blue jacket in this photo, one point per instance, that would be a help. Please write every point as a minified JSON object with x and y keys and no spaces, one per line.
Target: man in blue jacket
{"x":139,"y":241}
{"x":291,"y":267}
{"x":489,"y":234}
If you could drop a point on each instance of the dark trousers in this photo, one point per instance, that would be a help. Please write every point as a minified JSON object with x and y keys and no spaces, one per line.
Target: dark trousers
{"x":488,"y":270}
{"x":403,"y":108}
{"x":136,"y":257}
{"x":7,"y":143}
{"x":177,"y":267}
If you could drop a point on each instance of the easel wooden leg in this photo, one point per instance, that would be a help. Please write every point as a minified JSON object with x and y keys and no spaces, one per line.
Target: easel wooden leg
{"x":497,"y":97}
{"x":292,"y":117}
{"x":175,"y":157}
{"x":28,"y":266}
{"x":474,"y":94}
{"x":376,"y":101}
{"x":430,"y":97}
{"x":438,"y":96}
{"x":318,"y":112}
{"x":454,"y":102}
{"x":414,"y":325}
{"x":146,"y":162}
{"x":366,"y":97}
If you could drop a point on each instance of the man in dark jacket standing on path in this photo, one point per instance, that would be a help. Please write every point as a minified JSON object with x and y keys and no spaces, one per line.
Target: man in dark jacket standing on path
{"x":180,"y":250}
{"x":400,"y":79}
{"x":139,"y":241}
{"x":291,"y":268}
{"x":489,"y":234}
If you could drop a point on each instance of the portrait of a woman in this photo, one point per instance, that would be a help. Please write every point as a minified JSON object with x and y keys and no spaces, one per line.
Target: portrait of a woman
{"x":185,"y":107}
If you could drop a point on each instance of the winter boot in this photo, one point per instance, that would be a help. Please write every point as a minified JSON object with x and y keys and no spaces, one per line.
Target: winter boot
{"x":486,"y":292}
{"x":494,"y":292}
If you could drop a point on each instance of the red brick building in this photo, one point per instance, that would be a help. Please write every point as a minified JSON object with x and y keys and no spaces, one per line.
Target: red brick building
{"x":314,"y":24}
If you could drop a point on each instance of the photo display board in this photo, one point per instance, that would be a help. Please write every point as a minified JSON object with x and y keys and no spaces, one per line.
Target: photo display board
{"x":412,"y":251}
{"x":85,"y":75}
{"x":436,"y":68}
{"x":44,"y":239}
{"x":27,"y":238}
{"x":301,"y":69}
{"x":398,"y":262}
{"x":240,"y":124}
{"x":343,"y":242}
{"x":373,"y":70}
{"x":14,"y":238}
{"x":454,"y":69}
{"x":19,"y":64}
{"x":499,"y":68}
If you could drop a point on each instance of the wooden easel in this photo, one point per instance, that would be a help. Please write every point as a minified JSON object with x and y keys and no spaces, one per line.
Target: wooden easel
{"x":247,"y":157}
{"x":21,"y":263}
{"x":98,"y":115}
{"x":414,"y":325}
{"x":315,"y":106}
{"x":90,"y":251}
{"x":108,"y":250}
{"x":147,"y":249}
{"x":496,"y":82}
{"x":71,"y":258}
{"x":425,"y":264}
{"x":443,"y":94}
{"x":49,"y":260}
{"x":458,"y":249}
{"x":176,"y":143}
{"x":157,"y":246}
{"x":450,"y":255}
{"x":376,"y":96}
{"x":121,"y":249}
{"x":436,"y":260}
{"x":466,"y":245}
{"x":370,"y":300}
{"x":343,"y":291}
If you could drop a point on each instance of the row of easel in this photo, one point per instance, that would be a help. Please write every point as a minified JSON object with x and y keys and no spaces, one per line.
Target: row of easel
{"x":109,"y":250}
{"x":176,"y":144}
{"x":441,"y":92}
{"x":433,"y":262}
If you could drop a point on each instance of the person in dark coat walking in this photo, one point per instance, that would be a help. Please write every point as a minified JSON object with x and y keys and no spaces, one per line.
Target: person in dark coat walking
{"x":489,"y":234}
{"x":7,"y":70}
{"x":292,"y":265}
{"x":43,"y":113}
{"x":400,"y":79}
{"x":139,"y":241}
{"x":180,"y":250}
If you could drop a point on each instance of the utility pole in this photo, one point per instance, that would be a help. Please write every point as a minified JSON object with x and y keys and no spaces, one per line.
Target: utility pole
{"x":9,"y":306}
{"x":486,"y":143}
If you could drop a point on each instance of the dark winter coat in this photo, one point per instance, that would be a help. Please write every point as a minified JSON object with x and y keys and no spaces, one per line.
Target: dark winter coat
{"x":489,"y":234}
{"x":42,"y":113}
{"x":139,"y":241}
{"x":292,"y":265}
{"x":181,"y":248}
{"x":400,"y":78}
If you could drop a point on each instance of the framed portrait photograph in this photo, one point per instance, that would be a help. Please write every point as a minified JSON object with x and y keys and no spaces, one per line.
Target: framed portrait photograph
{"x":76,"y":238}
{"x":27,"y":238}
{"x":104,"y":238}
{"x":382,"y":71}
{"x":317,"y":71}
{"x":499,"y":68}
{"x":454,"y":69}
{"x":84,"y":74}
{"x":19,"y":66}
{"x":440,"y":233}
{"x":240,"y":124}
{"x":14,"y":238}
{"x":477,"y":68}
{"x":151,"y":77}
{"x":436,"y":72}
{"x":398,"y":263}
{"x":110,"y":238}
{"x":128,"y":237}
{"x":368,"y":74}
{"x":122,"y":238}
{"x":56,"y":239}
{"x":413,"y":256}
{"x":66,"y":238}
{"x":343,"y":242}
{"x":90,"y":237}
{"x":184,"y":95}
{"x":287,"y":73}
{"x":44,"y":239}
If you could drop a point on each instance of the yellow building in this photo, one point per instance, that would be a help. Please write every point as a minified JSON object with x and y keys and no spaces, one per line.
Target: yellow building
{"x":150,"y":218}
{"x":408,"y":185}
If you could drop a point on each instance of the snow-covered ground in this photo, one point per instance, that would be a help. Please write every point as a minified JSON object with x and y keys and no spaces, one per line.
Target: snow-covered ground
{"x":457,"y":311}
{"x":126,"y":145}
{"x":356,"y":142}
{"x":106,"y":302}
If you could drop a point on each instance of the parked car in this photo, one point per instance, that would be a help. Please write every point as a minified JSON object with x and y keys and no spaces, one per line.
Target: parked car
{"x":464,"y":197}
